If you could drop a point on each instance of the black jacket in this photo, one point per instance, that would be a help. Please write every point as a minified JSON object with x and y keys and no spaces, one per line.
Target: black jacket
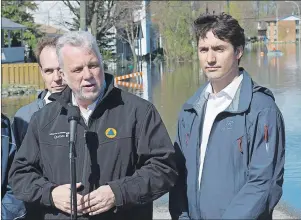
{"x":138,"y":163}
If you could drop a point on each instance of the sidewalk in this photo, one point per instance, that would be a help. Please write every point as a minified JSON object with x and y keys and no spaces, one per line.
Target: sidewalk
{"x":161,"y":212}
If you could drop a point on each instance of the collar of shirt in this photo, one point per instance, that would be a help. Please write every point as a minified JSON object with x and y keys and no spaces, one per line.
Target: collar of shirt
{"x":46,"y":97}
{"x":228,"y":91}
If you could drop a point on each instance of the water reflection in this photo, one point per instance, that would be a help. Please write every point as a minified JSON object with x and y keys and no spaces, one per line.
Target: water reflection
{"x":10,"y":105}
{"x":168,"y":86}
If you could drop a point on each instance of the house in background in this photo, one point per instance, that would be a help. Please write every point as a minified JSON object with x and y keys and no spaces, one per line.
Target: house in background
{"x":9,"y":53}
{"x":285,"y":30}
{"x":148,"y":38}
{"x":261,"y":30}
{"x":51,"y":31}
{"x":288,"y":29}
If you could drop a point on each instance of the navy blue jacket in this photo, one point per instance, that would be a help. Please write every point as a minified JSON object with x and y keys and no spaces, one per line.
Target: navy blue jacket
{"x":244,"y":162}
{"x":11,"y":208}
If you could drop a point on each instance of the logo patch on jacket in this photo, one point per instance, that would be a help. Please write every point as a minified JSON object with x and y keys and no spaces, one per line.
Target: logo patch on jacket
{"x":111,"y":132}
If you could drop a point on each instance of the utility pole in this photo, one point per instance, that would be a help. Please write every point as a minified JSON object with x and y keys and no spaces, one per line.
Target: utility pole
{"x":48,"y":17}
{"x":228,"y":6}
{"x":83,"y":16}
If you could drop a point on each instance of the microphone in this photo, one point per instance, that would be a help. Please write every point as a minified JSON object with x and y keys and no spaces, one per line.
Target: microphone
{"x":73,"y":118}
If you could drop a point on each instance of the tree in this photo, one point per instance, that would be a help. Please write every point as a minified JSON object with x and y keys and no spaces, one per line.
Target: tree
{"x":101,"y":17}
{"x":174,"y":19}
{"x":101,"y":14}
{"x":129,"y":25}
{"x":16,"y":11}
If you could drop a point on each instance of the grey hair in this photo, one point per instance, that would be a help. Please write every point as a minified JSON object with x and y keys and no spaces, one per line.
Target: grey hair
{"x":82,"y":39}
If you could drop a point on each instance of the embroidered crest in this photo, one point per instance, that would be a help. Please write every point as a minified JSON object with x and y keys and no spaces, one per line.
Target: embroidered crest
{"x":111,"y":132}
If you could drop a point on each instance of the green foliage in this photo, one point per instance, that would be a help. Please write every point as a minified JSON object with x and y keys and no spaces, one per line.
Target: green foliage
{"x":173,"y":19}
{"x":234,"y":10}
{"x":16,"y":11}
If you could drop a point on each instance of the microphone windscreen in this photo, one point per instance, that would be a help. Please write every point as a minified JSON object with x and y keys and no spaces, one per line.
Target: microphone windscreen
{"x":73,"y":112}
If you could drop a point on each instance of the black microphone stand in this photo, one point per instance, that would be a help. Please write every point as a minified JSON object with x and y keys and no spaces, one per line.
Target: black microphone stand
{"x":73,"y":118}
{"x":73,"y":199}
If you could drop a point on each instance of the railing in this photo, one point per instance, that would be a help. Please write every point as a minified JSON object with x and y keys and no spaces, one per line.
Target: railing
{"x":22,"y":74}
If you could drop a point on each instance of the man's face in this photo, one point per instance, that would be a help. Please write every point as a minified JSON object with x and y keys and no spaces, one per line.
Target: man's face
{"x":83,"y":72}
{"x":50,"y":70}
{"x":217,"y":57}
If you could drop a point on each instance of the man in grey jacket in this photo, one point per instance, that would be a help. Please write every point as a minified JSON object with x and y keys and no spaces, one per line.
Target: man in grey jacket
{"x":49,"y":68}
{"x":230,"y":140}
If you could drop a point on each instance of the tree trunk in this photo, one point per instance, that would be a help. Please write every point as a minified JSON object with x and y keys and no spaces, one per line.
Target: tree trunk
{"x":135,"y":58}
{"x":94,"y":20}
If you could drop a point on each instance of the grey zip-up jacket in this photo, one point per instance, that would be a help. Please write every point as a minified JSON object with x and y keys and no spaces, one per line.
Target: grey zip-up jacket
{"x":23,"y":115}
{"x":244,"y":162}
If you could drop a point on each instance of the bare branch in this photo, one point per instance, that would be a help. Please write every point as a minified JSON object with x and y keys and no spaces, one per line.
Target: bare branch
{"x":73,"y":9}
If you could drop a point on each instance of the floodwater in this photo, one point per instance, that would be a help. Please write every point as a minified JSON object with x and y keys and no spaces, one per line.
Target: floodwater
{"x":169,"y":86}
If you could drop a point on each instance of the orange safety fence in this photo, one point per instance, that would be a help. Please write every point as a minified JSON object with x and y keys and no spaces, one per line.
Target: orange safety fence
{"x":128,"y":76}
{"x":130,"y":85}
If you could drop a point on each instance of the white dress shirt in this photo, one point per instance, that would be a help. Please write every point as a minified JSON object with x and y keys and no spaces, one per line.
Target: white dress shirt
{"x":46,"y":98}
{"x":86,"y":113}
{"x":216,"y":104}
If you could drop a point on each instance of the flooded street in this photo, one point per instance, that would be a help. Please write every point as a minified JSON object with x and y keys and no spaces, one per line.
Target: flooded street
{"x":169,"y":87}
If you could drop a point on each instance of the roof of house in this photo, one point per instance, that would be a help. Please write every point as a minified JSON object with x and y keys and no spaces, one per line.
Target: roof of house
{"x":50,"y":30}
{"x":282,"y":18}
{"x":10,"y":25}
{"x":291,"y":18}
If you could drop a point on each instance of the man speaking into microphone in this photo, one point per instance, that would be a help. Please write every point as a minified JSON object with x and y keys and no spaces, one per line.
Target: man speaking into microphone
{"x":124,"y":156}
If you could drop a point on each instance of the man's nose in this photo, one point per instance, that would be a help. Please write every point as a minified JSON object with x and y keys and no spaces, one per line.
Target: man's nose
{"x":211,"y":58}
{"x":87,"y":73}
{"x":57,"y":75}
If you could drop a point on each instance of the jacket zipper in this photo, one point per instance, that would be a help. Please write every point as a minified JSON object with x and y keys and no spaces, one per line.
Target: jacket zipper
{"x":204,"y":163}
{"x":84,"y":171}
{"x":21,"y":216}
{"x":198,"y":188}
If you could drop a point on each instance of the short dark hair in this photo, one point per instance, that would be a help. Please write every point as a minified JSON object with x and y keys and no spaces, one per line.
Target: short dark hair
{"x":44,"y":42}
{"x":223,"y":26}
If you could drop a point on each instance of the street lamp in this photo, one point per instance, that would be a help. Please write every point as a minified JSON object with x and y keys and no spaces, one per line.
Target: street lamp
{"x":299,"y":19}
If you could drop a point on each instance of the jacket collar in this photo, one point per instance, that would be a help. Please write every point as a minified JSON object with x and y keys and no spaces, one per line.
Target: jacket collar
{"x":40,"y":101}
{"x":240,"y":103}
